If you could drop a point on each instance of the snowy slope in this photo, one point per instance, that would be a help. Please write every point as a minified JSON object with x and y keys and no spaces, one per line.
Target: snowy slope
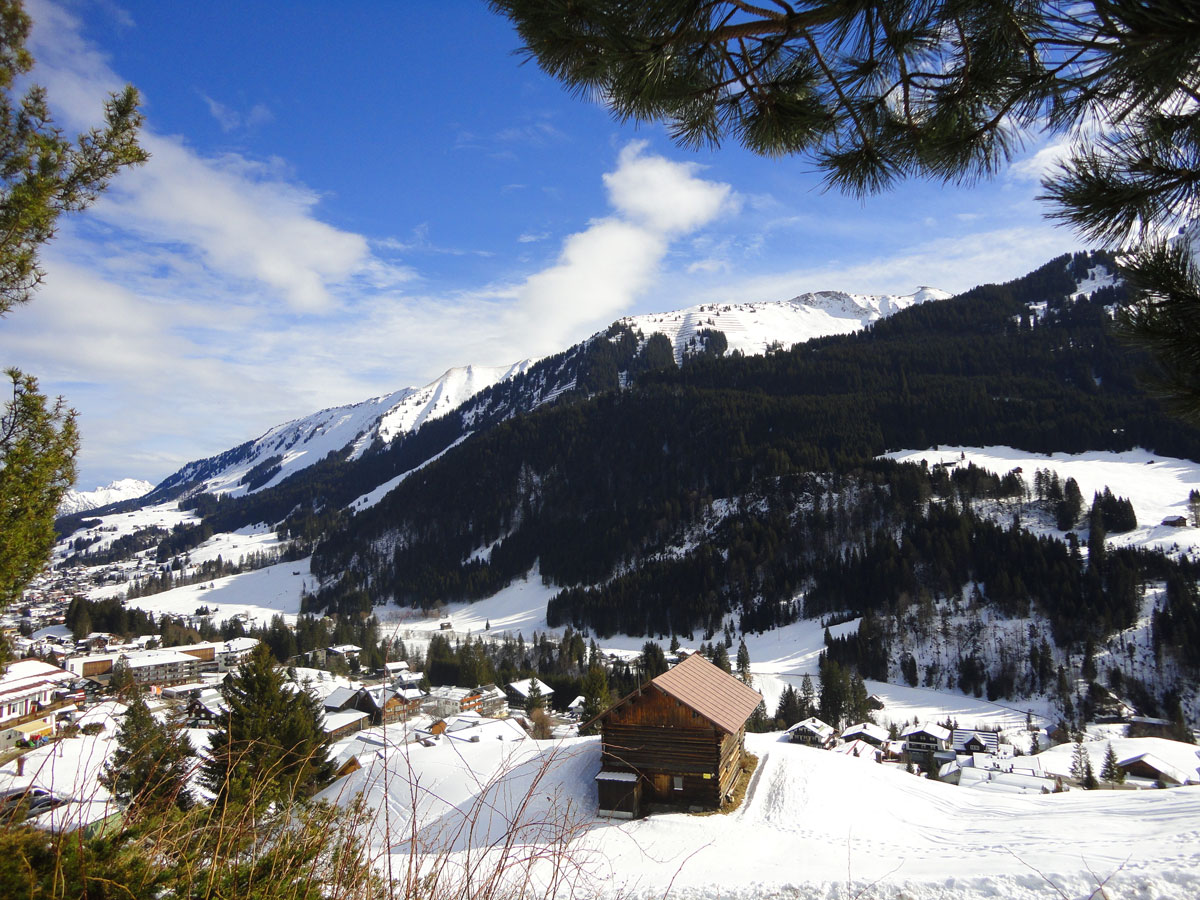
{"x":814,"y":824}
{"x":753,"y":328}
{"x":295,"y":445}
{"x":122,"y":489}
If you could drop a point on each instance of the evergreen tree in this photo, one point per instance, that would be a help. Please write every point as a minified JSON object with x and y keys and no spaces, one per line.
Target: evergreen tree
{"x":835,"y":692}
{"x":743,"y":662}
{"x":1111,"y":771}
{"x":1081,"y":761}
{"x":790,"y":710}
{"x":653,"y":662}
{"x":150,"y":767}
{"x":42,"y":175}
{"x":875,"y":92}
{"x":859,"y":703}
{"x":1071,"y":505}
{"x":1088,"y":668}
{"x":535,"y":699}
{"x":721,"y":659}
{"x":1193,"y":503}
{"x":759,"y":721}
{"x":808,"y":697}
{"x":121,"y":682}
{"x":596,"y":694}
{"x":270,"y":744}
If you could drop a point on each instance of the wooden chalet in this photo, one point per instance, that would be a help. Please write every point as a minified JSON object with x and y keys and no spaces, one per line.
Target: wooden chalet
{"x":813,"y":733}
{"x":677,"y":739}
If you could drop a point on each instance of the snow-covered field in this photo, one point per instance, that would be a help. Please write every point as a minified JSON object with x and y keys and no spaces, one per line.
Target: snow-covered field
{"x":257,"y":595}
{"x":165,"y":515}
{"x":1157,"y":486}
{"x":813,"y":825}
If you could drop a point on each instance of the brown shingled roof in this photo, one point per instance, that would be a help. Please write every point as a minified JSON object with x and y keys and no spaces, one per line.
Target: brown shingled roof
{"x":712,"y":692}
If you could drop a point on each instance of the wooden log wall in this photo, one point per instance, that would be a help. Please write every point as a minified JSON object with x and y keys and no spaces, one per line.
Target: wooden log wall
{"x":660,"y":738}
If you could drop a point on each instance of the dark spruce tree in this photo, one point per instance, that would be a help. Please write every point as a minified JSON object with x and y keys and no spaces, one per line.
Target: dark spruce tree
{"x":270,"y":744}
{"x":150,"y":767}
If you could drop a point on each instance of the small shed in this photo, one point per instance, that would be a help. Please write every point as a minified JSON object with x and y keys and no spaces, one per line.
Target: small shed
{"x":620,"y":794}
{"x":677,"y":739}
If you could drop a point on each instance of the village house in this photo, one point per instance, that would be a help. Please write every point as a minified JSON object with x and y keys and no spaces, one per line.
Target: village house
{"x":1148,"y":767}
{"x":678,"y":739}
{"x":159,"y":667}
{"x":393,"y":669}
{"x":1011,"y":775}
{"x":866,"y":731}
{"x":340,"y":699}
{"x":32,"y":693}
{"x":487,"y":700}
{"x":446,"y":701}
{"x":339,"y":724}
{"x":472,"y":728}
{"x":965,"y":742}
{"x":386,"y":705}
{"x":347,"y":652}
{"x":812,"y":732}
{"x":518,"y":692}
{"x":925,"y":745}
{"x":860,"y":749}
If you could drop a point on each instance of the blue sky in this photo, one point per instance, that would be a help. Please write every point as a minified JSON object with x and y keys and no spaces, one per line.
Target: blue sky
{"x":346,"y":199}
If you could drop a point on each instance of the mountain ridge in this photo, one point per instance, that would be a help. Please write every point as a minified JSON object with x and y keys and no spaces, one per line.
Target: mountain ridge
{"x":752,"y":328}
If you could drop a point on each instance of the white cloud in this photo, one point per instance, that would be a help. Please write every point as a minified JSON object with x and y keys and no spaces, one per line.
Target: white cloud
{"x":708,"y":266}
{"x":231,"y":120}
{"x":1034,"y":168}
{"x":662,"y":195}
{"x":952,"y":262}
{"x":226,"y":117}
{"x":602,"y":270}
{"x":263,"y":230}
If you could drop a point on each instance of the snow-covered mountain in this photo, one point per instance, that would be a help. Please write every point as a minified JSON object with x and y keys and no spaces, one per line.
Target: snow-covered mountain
{"x":122,"y":489}
{"x":294,"y":445}
{"x":753,"y":328}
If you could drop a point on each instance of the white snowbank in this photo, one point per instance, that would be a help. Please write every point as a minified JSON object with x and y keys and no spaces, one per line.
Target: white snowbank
{"x":813,"y":824}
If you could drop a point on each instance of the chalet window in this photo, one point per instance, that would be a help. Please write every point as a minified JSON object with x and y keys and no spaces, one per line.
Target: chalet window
{"x":678,"y":782}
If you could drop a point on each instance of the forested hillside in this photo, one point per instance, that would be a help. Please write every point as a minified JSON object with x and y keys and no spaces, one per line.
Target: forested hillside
{"x":667,"y":499}
{"x":589,"y":489}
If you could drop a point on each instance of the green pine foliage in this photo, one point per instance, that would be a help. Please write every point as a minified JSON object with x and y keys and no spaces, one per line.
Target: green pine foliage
{"x":1111,"y":771}
{"x":43,"y":174}
{"x":270,"y":744}
{"x":294,"y":852}
{"x":151,"y":765}
{"x":596,"y":694}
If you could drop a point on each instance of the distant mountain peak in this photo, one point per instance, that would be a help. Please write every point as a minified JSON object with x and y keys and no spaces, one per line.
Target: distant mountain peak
{"x":753,"y":328}
{"x":121,"y":489}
